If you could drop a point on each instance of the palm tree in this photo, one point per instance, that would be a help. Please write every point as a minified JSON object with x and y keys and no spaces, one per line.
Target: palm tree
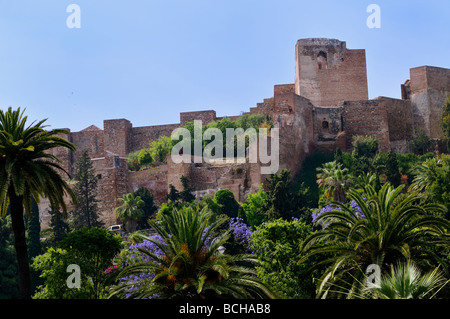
{"x":130,"y":210}
{"x":393,"y":228}
{"x":366,"y":179}
{"x":28,"y":172}
{"x":334,"y":179}
{"x":425,"y":174}
{"x":191,"y":265}
{"x":406,"y":282}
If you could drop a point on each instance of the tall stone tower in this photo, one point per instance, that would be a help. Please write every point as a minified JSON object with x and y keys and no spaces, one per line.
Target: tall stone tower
{"x":428,"y":89}
{"x":326,"y":72}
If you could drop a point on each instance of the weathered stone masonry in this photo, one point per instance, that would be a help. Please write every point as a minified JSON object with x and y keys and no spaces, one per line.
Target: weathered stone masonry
{"x":323,"y":109}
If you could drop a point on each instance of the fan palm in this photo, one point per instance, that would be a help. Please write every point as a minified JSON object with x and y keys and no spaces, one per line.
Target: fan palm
{"x":334,"y":179}
{"x":130,"y":210}
{"x":393,"y":228}
{"x":28,"y":172}
{"x":406,"y":282}
{"x":191,"y":265}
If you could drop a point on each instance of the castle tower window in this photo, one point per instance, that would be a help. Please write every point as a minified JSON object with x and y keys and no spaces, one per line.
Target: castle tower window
{"x":322,"y":60}
{"x":325,"y":125}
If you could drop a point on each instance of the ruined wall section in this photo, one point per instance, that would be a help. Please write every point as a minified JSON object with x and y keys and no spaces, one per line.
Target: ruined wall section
{"x":328,"y":73}
{"x":176,"y":170}
{"x":429,"y":88}
{"x":210,"y":178}
{"x":327,"y":125}
{"x":293,"y":115}
{"x":155,"y":180}
{"x":112,"y":174}
{"x":368,"y":117}
{"x":265,"y":107}
{"x":400,"y":122}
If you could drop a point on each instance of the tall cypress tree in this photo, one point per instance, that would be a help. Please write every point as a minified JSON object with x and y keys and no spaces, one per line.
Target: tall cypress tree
{"x":186,"y":194}
{"x":392,"y":170}
{"x":85,"y":213}
{"x":59,"y":226}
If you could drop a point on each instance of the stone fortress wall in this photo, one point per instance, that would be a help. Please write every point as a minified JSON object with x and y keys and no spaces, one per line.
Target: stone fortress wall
{"x":323,"y":109}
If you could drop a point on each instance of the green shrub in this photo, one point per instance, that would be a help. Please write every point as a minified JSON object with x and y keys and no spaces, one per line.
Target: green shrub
{"x":145,"y":157}
{"x":277,"y":244}
{"x":253,"y":208}
{"x":160,"y":148}
{"x":225,"y":199}
{"x":133,"y":161}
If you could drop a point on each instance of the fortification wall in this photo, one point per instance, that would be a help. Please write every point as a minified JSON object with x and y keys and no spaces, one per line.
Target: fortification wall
{"x":215,"y":177}
{"x":205,"y":116}
{"x":90,"y":140}
{"x":293,"y":115}
{"x":116,"y":136}
{"x":265,"y":107}
{"x":112,"y":174}
{"x":142,"y":136}
{"x":400,"y":122}
{"x":156,"y":180}
{"x":368,"y":117}
{"x":64,"y":154}
{"x":327,"y":125}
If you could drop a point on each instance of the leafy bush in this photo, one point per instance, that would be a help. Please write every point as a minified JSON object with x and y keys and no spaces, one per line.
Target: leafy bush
{"x":225,"y":199}
{"x":160,"y":148}
{"x":253,"y":207}
{"x":277,"y":245}
{"x":91,"y":249}
{"x":133,"y":161}
{"x":366,"y":146}
{"x":421,"y":142}
{"x":145,"y":157}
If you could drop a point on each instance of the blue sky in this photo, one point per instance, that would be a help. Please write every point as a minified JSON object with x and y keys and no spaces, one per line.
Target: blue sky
{"x":147,"y":61}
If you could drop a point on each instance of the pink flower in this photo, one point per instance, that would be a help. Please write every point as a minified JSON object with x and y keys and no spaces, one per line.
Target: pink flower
{"x":110,"y":270}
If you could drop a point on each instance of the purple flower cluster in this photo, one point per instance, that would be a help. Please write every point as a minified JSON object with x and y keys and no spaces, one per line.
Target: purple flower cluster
{"x":208,"y":240}
{"x":242,"y":232}
{"x":135,"y":257}
{"x":328,"y":208}
{"x":324,"y":209}
{"x":147,"y":245}
{"x":356,"y":209}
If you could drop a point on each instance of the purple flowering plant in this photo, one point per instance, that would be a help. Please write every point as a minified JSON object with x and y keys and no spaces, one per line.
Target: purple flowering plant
{"x":353,"y":207}
{"x":134,"y":255}
{"x":242,"y":233}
